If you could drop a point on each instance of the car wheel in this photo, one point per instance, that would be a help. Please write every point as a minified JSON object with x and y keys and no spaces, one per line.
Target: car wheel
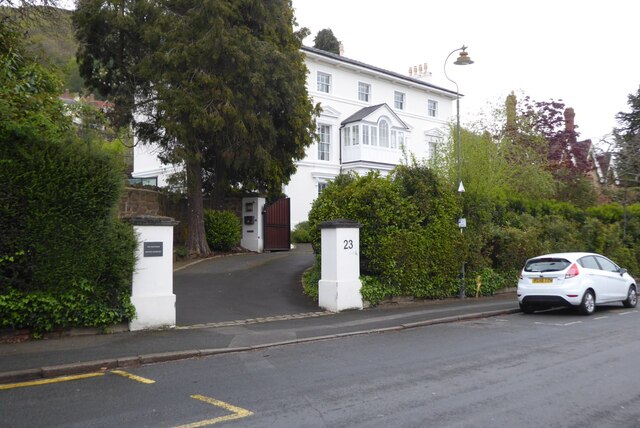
{"x":632,"y":298}
{"x":527,"y":309}
{"x":588,"y":304}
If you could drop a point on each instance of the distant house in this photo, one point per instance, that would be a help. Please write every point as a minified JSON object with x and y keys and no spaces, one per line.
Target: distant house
{"x":370,"y":118}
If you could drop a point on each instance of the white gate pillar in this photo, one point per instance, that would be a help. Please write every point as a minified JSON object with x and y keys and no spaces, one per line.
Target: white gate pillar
{"x":339,"y":286}
{"x":252,"y":224}
{"x":152,"y":288}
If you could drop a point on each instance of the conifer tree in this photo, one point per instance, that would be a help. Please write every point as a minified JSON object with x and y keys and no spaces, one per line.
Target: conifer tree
{"x":218,"y":85}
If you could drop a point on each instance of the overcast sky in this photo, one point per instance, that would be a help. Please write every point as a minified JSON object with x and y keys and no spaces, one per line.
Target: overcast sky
{"x":582,"y":52}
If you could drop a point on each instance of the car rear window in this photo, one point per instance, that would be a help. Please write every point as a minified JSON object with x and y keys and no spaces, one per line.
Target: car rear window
{"x":546,"y":265}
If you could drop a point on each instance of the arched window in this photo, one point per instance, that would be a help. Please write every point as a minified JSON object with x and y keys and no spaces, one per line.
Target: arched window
{"x":384,"y":133}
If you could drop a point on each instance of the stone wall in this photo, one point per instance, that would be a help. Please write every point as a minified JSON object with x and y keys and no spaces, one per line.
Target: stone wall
{"x":139,"y":201}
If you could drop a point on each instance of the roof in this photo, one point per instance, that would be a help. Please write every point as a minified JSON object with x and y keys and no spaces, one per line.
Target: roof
{"x":574,"y":255}
{"x":392,"y":74}
{"x":366,"y":111}
{"x":361,"y":114}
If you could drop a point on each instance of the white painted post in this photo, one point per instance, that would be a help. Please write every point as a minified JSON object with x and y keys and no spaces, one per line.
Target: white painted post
{"x":152,"y":288}
{"x":252,"y":224}
{"x":339,"y":286}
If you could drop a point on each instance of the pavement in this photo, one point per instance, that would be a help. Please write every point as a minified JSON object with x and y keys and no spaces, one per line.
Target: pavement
{"x":233,"y":304}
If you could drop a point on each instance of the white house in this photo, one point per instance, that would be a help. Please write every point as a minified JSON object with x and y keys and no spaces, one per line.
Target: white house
{"x":369,"y":118}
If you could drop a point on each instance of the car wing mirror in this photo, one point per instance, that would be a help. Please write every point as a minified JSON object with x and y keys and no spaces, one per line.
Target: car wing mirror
{"x":622,"y":271}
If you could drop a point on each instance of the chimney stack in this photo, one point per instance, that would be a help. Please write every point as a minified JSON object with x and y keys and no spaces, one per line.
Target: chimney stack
{"x":420,"y":71}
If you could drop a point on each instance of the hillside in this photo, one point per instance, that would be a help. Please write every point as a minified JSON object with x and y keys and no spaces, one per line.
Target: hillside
{"x":49,"y":37}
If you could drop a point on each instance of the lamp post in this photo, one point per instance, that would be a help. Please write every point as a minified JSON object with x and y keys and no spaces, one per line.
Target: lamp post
{"x":463,"y":59}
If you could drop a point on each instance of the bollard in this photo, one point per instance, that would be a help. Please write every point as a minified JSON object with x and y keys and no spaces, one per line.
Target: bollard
{"x":339,"y":286}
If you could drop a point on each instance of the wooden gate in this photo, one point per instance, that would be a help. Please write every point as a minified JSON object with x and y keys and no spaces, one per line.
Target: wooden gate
{"x":277,"y":225}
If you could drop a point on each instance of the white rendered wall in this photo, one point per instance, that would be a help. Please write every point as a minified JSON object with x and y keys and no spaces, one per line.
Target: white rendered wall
{"x":147,"y":165}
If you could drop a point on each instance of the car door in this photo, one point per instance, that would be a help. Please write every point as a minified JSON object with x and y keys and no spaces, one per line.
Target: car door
{"x":615,"y":287}
{"x":592,"y":272}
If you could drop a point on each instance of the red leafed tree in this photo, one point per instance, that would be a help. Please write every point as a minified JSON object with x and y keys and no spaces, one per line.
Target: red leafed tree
{"x":567,"y":158}
{"x":556,"y":124}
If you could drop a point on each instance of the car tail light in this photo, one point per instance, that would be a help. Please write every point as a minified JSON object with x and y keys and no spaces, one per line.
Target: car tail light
{"x":573,"y":271}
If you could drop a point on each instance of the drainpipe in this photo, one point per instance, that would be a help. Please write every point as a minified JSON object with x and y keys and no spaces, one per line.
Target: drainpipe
{"x":340,"y":149}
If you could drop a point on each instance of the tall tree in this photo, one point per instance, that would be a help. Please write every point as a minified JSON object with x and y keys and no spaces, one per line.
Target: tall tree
{"x":627,"y":137}
{"x":220,"y":86}
{"x":327,"y":41}
{"x":546,"y":131}
{"x":524,"y":146}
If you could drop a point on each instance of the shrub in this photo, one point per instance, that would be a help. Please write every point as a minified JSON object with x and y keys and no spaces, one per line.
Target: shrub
{"x":408,"y":239}
{"x":62,"y":237}
{"x":223,"y":229}
{"x":301,"y":233}
{"x":310,"y":280}
{"x":81,"y":305}
{"x":374,"y":290}
{"x":490,"y":281}
{"x":65,"y":259}
{"x":371,"y":200}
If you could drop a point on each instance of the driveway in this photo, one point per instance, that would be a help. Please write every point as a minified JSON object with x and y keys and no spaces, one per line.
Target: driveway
{"x":243,"y":286}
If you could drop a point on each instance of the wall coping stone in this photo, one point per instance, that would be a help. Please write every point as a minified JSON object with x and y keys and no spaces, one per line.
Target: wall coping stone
{"x":151,"y":220}
{"x":340,"y":223}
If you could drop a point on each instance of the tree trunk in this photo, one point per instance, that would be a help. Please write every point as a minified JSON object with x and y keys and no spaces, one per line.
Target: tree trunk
{"x":196,"y":237}
{"x":220,"y":185}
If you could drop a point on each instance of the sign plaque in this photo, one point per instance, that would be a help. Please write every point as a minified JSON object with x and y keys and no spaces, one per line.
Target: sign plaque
{"x":152,"y":249}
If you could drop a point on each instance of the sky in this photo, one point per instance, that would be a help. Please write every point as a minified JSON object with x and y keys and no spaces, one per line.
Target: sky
{"x":580,"y":52}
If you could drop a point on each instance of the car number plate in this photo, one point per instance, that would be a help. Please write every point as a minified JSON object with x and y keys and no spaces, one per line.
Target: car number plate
{"x":542,"y":280}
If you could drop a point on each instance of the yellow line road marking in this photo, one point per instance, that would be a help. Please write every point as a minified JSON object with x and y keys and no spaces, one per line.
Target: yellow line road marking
{"x":48,"y":381}
{"x":236,"y":412}
{"x":133,"y":377}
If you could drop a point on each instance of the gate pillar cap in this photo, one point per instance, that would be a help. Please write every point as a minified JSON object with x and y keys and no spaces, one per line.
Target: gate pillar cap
{"x":341,"y":223}
{"x":151,"y":220}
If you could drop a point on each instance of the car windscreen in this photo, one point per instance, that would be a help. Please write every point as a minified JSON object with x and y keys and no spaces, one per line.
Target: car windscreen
{"x":546,"y":264}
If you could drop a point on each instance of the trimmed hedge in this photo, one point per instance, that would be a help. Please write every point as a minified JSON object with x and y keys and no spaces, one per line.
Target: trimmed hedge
{"x":62,"y":240}
{"x":65,"y":258}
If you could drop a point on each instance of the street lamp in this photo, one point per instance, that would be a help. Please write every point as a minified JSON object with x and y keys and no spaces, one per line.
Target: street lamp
{"x":463,"y":59}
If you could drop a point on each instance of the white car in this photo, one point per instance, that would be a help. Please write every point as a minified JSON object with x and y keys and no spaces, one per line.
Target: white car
{"x":581,"y":280}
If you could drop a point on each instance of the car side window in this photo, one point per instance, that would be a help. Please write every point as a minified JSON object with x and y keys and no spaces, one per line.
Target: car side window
{"x":589,"y":262}
{"x":607,"y":265}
